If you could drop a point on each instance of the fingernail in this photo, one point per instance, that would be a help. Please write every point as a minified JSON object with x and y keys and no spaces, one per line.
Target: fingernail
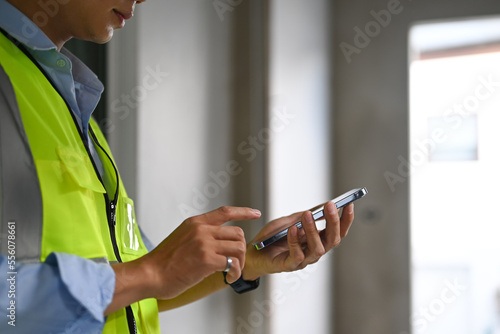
{"x":332,"y":209}
{"x":308,"y":218}
{"x":256,"y":212}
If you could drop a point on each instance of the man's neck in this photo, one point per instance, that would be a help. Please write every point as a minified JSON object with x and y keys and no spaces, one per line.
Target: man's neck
{"x":51,"y":25}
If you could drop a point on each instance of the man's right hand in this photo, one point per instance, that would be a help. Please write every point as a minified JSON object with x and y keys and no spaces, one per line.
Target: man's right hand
{"x":198,"y":248}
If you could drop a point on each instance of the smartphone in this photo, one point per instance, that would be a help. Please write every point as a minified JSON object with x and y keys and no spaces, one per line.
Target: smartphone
{"x":318,"y":214}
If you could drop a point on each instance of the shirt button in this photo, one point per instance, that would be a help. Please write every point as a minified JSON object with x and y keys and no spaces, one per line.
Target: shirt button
{"x":61,"y":63}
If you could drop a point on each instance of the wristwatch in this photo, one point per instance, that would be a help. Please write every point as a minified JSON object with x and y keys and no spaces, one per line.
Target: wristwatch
{"x":241,"y":286}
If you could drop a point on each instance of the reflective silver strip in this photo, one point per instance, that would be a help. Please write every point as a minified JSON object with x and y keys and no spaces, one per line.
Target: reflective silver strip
{"x":21,"y":210}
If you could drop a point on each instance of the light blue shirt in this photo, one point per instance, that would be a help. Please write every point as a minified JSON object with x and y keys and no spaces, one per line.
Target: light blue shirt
{"x":66,"y":293}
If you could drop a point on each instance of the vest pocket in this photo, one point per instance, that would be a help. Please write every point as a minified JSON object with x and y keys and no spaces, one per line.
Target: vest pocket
{"x":74,"y":212}
{"x":80,"y":168}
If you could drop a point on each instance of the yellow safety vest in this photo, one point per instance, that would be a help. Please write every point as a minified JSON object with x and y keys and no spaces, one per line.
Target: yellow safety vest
{"x":61,"y":203}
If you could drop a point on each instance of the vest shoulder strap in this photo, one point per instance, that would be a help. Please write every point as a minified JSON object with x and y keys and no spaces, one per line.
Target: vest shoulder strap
{"x":21,"y":210}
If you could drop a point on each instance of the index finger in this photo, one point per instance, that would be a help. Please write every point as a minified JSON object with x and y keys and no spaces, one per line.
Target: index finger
{"x":225,"y":214}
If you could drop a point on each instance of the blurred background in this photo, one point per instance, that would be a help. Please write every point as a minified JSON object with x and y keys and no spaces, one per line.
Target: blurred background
{"x":284,"y":104}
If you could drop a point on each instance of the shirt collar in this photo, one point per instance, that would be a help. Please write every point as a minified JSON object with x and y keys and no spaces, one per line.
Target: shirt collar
{"x":28,"y":32}
{"x":77,"y":83}
{"x":82,"y":74}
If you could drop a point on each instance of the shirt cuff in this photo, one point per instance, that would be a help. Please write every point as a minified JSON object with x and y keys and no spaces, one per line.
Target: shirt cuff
{"x":91,"y":284}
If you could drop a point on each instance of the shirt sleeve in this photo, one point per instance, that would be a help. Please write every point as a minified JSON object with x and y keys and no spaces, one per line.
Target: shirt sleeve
{"x":149,"y":245}
{"x":65,"y":294}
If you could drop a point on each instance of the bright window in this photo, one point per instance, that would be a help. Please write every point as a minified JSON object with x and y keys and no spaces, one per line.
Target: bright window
{"x":455,"y":176}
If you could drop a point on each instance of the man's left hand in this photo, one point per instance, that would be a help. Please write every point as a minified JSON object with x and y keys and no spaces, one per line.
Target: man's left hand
{"x":302,"y":247}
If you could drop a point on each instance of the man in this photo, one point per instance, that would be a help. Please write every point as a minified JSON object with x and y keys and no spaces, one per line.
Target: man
{"x":72,"y":258}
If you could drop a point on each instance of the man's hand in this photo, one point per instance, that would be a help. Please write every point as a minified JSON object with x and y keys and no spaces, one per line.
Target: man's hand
{"x":198,"y":248}
{"x":301,"y":247}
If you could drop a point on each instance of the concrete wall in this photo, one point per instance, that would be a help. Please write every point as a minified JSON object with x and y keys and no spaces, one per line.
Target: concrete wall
{"x":372,"y":292}
{"x":300,"y":155}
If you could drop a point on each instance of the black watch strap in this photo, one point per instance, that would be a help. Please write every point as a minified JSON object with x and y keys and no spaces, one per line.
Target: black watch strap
{"x":242,"y":286}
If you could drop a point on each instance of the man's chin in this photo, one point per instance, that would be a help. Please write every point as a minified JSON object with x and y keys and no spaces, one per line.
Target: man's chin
{"x":102,"y":38}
